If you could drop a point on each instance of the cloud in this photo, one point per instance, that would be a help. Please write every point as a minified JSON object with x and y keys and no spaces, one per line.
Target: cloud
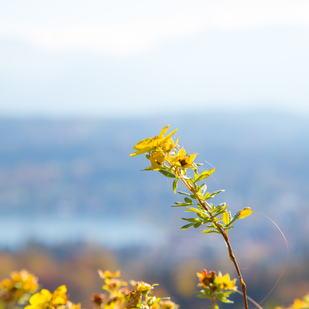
{"x":129,"y":30}
{"x":121,"y":40}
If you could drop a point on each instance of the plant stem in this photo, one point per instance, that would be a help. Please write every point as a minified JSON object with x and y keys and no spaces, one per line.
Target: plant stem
{"x":213,"y":303}
{"x":233,"y":259}
{"x":206,"y":206}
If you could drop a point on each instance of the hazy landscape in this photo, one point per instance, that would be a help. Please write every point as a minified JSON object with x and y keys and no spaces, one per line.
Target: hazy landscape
{"x":71,"y":184}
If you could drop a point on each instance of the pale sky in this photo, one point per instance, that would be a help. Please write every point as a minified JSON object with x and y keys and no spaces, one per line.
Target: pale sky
{"x":106,"y":58}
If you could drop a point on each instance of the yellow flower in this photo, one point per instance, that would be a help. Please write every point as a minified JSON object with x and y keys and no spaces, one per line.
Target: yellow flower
{"x":73,"y":306}
{"x":245,"y":213}
{"x":168,"y":304}
{"x":46,"y":299}
{"x":205,"y":278}
{"x":108,"y":275}
{"x":142,"y":287}
{"x":298,"y":304}
{"x":59,"y":296}
{"x":18,"y":285}
{"x":182,"y":159}
{"x":6,"y":284}
{"x":156,"y":159}
{"x":161,"y":142}
{"x":30,"y":282}
{"x":225,"y":282}
{"x":40,"y":300}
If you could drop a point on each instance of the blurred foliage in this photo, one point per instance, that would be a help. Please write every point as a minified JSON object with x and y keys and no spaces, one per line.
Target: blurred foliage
{"x":76,"y":266}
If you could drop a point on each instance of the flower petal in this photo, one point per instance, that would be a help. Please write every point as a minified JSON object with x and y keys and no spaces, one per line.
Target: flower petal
{"x":163,"y":131}
{"x":245,"y":213}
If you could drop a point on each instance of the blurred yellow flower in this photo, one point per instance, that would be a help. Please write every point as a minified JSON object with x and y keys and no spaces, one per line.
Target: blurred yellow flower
{"x":215,"y":282}
{"x":48,"y":300}
{"x":225,"y":282}
{"x":168,"y":304}
{"x":108,"y":275}
{"x":142,"y":287}
{"x":73,"y":306}
{"x":20,"y":284}
{"x":161,"y":142}
{"x":40,"y":300}
{"x":298,"y":303}
{"x":6,"y":284}
{"x":59,"y":296}
{"x":205,"y":278}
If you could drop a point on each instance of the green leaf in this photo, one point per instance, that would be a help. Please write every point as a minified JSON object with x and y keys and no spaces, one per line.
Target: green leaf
{"x":201,"y":208}
{"x":221,"y":205}
{"x":200,"y":196}
{"x":167,"y":173}
{"x":193,"y":196}
{"x":192,"y":209}
{"x":207,"y":196}
{"x":197,"y":224}
{"x":178,"y":204}
{"x":217,"y":213}
{"x":202,"y":216}
{"x":210,"y":231}
{"x":201,"y":213}
{"x":205,"y":175}
{"x":147,"y":169}
{"x":191,"y":181}
{"x":184,"y":193}
{"x":192,"y":220}
{"x":175,"y":183}
{"x":207,"y":220}
{"x":187,"y":226}
{"x":215,"y":193}
{"x":188,"y":200}
{"x":203,"y":189}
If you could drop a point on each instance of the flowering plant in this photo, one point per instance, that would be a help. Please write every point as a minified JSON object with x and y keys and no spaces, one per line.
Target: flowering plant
{"x":174,"y":162}
{"x":118,"y":296}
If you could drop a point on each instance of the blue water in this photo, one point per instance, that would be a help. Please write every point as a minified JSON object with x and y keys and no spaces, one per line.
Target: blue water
{"x":15,"y":232}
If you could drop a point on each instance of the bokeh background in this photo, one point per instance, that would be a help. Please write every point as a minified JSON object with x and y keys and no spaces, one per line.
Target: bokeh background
{"x":82,"y":81}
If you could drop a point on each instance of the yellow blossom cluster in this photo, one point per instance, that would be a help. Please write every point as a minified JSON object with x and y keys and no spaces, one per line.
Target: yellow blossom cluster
{"x":47,"y":300}
{"x":299,"y":303}
{"x":18,"y":286}
{"x":216,"y":282}
{"x":161,"y":149}
{"x":118,"y":296}
{"x":216,"y":287}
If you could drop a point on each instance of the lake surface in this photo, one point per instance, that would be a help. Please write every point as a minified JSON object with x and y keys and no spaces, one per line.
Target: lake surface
{"x":16,"y":231}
